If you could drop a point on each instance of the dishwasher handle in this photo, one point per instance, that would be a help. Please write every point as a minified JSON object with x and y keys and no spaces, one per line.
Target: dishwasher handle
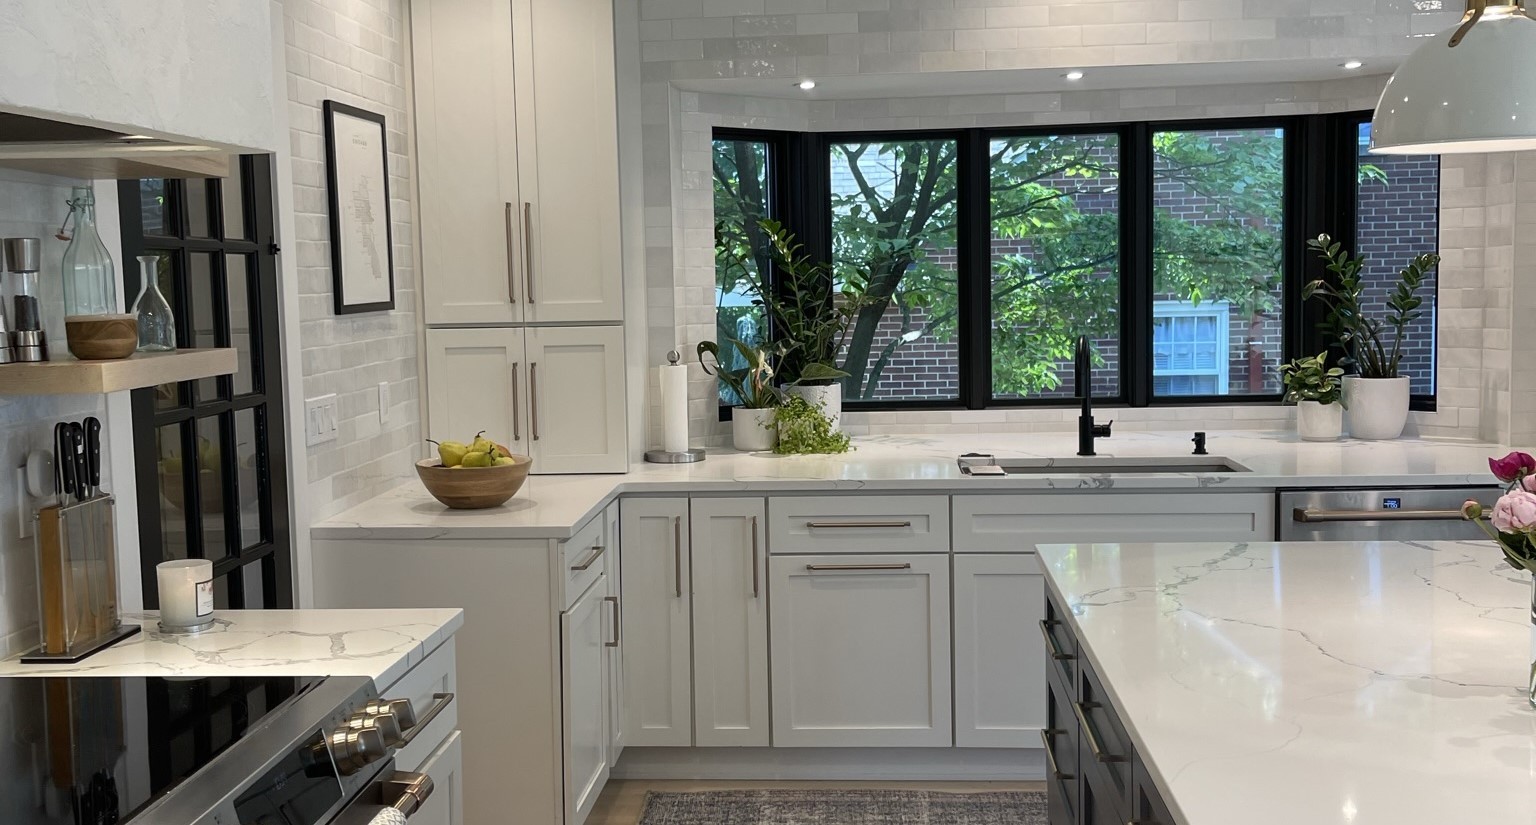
{"x":1307,"y":515}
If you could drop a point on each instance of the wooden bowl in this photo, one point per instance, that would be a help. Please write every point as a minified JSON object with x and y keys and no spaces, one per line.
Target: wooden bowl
{"x":102,"y":337}
{"x":473,"y":488}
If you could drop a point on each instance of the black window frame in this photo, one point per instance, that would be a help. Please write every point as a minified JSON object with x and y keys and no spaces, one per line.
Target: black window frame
{"x":1321,"y":153}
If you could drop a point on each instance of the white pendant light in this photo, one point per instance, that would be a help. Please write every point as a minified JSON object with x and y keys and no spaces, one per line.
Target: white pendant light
{"x":1471,"y":89}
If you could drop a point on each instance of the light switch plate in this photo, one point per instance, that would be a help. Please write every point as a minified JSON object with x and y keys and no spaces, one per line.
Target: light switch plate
{"x":320,"y":419}
{"x":384,"y":402}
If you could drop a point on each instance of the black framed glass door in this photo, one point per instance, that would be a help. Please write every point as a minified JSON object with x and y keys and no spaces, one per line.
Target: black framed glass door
{"x":212,"y":453}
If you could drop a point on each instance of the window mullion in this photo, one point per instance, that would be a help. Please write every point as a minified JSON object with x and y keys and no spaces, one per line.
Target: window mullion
{"x":1136,"y":263}
{"x":973,"y":257}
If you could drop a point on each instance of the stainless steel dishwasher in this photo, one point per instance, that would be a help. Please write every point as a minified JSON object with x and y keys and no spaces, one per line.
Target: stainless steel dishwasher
{"x":1425,"y":514}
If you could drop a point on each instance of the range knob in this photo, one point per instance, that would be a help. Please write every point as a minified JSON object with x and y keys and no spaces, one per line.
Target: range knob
{"x":385,"y":723}
{"x":354,"y":748}
{"x":400,"y":708}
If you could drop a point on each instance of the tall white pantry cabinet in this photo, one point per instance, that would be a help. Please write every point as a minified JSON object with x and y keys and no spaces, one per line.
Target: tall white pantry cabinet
{"x":518,"y":181}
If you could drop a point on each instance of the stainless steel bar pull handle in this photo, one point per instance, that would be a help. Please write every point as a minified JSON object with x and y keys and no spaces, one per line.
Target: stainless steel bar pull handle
{"x":1099,"y":754}
{"x":857,"y":525}
{"x":677,"y":554}
{"x":1310,"y":516}
{"x":1050,"y":756}
{"x":410,"y":790}
{"x":845,"y":567}
{"x":517,"y":423}
{"x":441,"y":701}
{"x":615,"y":601}
{"x":756,"y":584}
{"x":511,"y":257}
{"x":533,"y":398}
{"x":597,"y":553}
{"x":528,"y":250}
{"x":1050,"y":641}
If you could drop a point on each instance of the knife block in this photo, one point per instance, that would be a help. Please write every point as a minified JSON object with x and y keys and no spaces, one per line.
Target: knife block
{"x":77,"y":581}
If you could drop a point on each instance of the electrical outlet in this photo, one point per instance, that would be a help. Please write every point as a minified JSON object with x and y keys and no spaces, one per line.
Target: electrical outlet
{"x":320,"y":419}
{"x":383,"y":402}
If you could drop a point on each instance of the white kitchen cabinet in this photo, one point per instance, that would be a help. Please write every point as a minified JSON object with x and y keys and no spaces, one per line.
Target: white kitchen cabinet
{"x":861,"y":651}
{"x":576,"y":399}
{"x":567,"y":117}
{"x":730,"y":622}
{"x":1015,"y":523}
{"x":446,"y":767}
{"x":584,"y":632}
{"x":658,"y":685}
{"x":616,"y":646}
{"x":859,"y":524}
{"x":467,"y":155}
{"x":1000,"y":659}
{"x":517,"y":152}
{"x":554,"y":393}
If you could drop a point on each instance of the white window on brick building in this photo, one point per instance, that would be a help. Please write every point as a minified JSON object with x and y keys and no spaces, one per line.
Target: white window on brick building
{"x":1189,"y":347}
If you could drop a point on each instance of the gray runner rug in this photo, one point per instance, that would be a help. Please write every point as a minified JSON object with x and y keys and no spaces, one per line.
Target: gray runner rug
{"x":844,"y":807}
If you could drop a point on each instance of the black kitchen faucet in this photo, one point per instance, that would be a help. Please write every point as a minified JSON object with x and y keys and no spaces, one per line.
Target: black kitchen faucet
{"x":1087,"y":431}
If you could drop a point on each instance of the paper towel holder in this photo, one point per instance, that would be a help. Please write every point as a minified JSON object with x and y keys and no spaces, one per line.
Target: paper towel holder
{"x":669,"y":456}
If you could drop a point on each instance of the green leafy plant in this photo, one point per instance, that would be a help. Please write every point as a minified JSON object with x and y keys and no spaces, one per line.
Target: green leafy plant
{"x":752,"y":384}
{"x":1363,"y":338}
{"x":812,"y":310}
{"x":806,"y":429}
{"x":1311,"y":379}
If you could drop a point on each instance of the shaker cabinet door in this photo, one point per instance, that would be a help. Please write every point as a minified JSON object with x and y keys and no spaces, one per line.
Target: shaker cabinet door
{"x":1000,"y":659}
{"x":658,"y":686}
{"x":466,"y":157}
{"x":584,"y":630}
{"x":576,"y":400}
{"x":475,"y":381}
{"x":730,"y":622}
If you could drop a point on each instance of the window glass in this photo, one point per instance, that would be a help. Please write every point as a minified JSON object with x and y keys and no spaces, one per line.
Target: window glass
{"x":1218,"y":259}
{"x":741,"y":253}
{"x":1055,"y":205}
{"x":894,"y":224}
{"x":1397,"y":212}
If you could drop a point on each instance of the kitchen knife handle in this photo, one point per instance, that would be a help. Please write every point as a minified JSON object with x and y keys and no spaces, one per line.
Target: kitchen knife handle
{"x":93,"y":451}
{"x":60,"y":459}
{"x":77,"y":436}
{"x":66,"y":447}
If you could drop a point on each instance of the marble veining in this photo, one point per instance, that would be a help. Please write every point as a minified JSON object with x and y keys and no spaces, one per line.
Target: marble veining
{"x":1332,"y":682}
{"x":554,"y":506}
{"x":382,"y":644}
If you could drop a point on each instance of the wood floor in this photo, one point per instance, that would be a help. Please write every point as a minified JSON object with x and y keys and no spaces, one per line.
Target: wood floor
{"x":623,"y":799}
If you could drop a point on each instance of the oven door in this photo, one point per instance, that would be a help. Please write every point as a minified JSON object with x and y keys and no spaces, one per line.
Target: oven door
{"x":1430,"y":514}
{"x":430,"y":796}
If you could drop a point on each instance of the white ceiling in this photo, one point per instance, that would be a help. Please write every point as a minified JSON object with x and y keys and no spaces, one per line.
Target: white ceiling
{"x":1028,"y":81}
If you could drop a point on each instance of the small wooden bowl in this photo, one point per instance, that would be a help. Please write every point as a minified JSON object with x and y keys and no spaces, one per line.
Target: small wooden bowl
{"x":473,"y":488}
{"x":102,"y":337}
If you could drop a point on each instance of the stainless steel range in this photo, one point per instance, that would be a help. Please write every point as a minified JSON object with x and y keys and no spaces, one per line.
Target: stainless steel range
{"x":205,"y":751}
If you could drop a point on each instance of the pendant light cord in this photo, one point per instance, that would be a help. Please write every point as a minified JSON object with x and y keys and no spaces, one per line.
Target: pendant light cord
{"x":1475,"y":9}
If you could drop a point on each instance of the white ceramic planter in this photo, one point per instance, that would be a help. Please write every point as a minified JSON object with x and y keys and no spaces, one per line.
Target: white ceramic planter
{"x":1319,"y":422}
{"x":1378,"y":407}
{"x":828,"y":397}
{"x":753,"y":431}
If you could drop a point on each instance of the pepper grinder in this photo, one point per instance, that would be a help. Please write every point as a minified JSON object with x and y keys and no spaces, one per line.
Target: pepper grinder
{"x":23,"y":258}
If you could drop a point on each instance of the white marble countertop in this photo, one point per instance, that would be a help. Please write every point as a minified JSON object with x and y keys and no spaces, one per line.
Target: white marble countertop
{"x":382,"y":644}
{"x":554,"y":506}
{"x":1349,"y":683}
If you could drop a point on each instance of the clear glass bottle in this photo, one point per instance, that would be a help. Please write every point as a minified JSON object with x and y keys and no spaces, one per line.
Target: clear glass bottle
{"x":90,"y":281}
{"x":157,"y":324}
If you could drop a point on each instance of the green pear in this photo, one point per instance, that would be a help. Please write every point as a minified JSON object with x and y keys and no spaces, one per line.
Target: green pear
{"x":476,"y":458}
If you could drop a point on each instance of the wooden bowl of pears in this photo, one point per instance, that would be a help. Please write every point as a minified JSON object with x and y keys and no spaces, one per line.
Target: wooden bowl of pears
{"x":475,"y":475}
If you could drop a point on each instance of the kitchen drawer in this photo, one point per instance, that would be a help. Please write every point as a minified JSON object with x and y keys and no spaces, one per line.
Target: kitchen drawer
{"x":858,"y":524}
{"x":1060,"y":741}
{"x":1106,"y":753}
{"x":582,"y":558}
{"x":435,"y":676}
{"x":1016,"y":523}
{"x":1060,"y":646}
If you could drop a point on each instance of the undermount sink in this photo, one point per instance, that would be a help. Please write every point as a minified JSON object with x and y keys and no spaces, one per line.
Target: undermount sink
{"x":980,"y":465}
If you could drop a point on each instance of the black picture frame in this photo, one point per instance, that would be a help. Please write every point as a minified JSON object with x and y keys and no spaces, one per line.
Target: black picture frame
{"x":341,"y":268}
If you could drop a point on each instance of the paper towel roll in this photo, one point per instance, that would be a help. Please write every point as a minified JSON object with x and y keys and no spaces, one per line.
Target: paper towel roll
{"x":674,"y":408}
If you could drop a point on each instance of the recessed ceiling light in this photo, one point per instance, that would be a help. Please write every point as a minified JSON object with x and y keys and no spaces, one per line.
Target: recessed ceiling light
{"x":1073,"y":75}
{"x":806,"y":85}
{"x":1352,"y":64}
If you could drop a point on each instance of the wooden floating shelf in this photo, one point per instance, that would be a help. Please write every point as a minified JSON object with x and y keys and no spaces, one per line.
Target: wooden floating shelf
{"x":145,"y":369}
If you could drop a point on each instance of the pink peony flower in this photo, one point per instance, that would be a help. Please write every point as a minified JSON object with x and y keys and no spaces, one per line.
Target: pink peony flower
{"x":1515,"y":513}
{"x":1511,"y":467}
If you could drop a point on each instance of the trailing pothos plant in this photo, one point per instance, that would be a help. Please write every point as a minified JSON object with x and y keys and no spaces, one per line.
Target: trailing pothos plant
{"x":1311,"y":379}
{"x":806,"y":429}
{"x":752,"y":385}
{"x":1365,"y":339}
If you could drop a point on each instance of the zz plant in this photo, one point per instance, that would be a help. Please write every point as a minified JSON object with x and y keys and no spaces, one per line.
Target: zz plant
{"x":1373,"y":346}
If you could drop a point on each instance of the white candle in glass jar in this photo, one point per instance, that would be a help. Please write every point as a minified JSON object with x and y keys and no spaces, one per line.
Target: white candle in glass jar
{"x":186,"y":592}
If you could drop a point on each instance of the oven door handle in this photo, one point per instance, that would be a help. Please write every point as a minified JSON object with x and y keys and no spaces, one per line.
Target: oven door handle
{"x":441,"y":703}
{"x":1307,"y":515}
{"x":409,"y":792}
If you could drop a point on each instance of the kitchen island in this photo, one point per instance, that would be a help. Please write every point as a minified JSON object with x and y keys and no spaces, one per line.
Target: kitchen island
{"x":1277,"y":684}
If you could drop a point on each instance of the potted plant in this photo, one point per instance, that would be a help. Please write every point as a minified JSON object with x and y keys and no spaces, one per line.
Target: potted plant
{"x":1376,"y":395}
{"x":811,"y":313}
{"x":1315,"y":389}
{"x":752,"y":423}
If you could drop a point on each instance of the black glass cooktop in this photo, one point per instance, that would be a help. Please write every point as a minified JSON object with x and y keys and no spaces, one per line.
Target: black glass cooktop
{"x":93,"y":750}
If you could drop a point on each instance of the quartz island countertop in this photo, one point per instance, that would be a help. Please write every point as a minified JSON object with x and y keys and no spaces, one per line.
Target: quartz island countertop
{"x":1349,"y":683}
{"x":382,"y":644}
{"x":554,"y":506}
